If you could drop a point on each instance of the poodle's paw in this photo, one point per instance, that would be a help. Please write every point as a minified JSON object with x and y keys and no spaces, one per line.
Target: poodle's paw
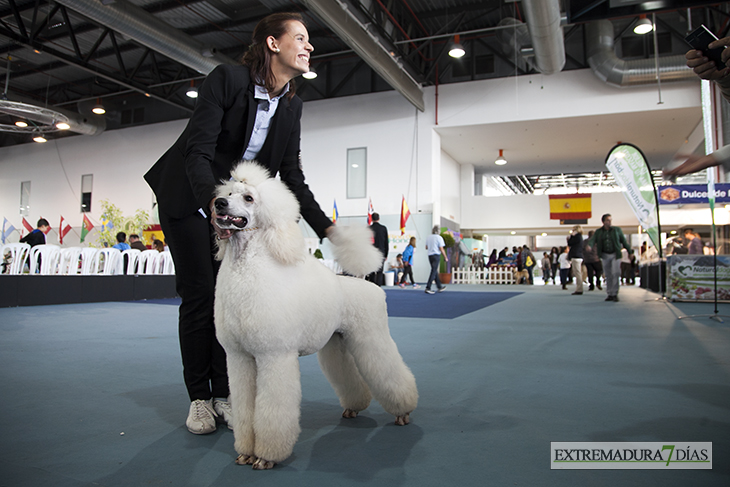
{"x":349,"y":413}
{"x":261,"y":464}
{"x":245,"y":459}
{"x":403,"y":420}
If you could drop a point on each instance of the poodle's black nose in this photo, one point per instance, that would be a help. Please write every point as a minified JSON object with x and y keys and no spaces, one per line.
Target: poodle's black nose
{"x":220,"y":204}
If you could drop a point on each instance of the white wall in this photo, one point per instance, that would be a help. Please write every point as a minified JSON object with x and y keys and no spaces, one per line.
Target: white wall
{"x":404,"y":153}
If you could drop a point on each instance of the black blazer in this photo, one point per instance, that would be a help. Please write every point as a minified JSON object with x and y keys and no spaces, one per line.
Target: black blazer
{"x":380,"y":238}
{"x":215,"y":139}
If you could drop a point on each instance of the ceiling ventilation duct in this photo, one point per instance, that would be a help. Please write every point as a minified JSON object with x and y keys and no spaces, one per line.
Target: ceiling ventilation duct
{"x":538,"y":43}
{"x":336,"y":14}
{"x":617,"y":72}
{"x":136,"y":23}
{"x":543,"y":20}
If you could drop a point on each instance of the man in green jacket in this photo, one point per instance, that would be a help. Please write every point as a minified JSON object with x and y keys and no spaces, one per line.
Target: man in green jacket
{"x":607,"y":241}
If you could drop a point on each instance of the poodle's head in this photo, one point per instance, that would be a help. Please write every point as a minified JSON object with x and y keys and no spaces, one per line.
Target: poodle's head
{"x":253,"y":204}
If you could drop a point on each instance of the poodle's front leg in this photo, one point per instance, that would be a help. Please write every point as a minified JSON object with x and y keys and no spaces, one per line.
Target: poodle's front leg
{"x":242,"y":384}
{"x":278,"y":399}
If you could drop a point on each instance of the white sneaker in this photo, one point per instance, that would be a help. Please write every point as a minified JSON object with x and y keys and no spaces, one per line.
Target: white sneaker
{"x":201,"y":417}
{"x":222,"y":408}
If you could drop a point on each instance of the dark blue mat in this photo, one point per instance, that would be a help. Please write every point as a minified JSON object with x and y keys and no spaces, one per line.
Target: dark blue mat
{"x":411,"y":303}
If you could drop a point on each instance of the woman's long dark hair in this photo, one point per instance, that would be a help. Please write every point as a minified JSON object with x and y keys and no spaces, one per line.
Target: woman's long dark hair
{"x":258,"y":56}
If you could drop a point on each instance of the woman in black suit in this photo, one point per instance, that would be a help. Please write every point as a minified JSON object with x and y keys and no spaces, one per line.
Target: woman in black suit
{"x":242,"y":112}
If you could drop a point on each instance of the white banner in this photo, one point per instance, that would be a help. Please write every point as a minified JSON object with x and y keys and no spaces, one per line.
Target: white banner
{"x":629,"y":169}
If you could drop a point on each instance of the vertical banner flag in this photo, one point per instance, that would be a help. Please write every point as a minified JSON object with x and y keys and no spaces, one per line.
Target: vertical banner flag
{"x":63,"y":230}
{"x":86,"y":227}
{"x":404,"y":214}
{"x":335,"y":213}
{"x":570,"y":206}
{"x":7,"y":230}
{"x":27,"y":225}
{"x":370,"y":211}
{"x":631,"y":173}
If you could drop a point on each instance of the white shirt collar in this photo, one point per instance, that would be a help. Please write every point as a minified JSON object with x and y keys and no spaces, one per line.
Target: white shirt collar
{"x":260,"y":93}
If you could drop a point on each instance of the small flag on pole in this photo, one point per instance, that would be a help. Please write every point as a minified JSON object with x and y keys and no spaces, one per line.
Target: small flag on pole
{"x":48,"y":229}
{"x":106,"y":224}
{"x":27,"y":225}
{"x":7,"y":230}
{"x":370,"y":211}
{"x":335,"y":213}
{"x":63,"y":230}
{"x":86,"y":227}
{"x":404,"y":214}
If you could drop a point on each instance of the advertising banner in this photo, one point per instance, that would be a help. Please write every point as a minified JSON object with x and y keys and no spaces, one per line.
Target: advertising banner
{"x":691,"y":278}
{"x":631,"y":173}
{"x":692,"y":193}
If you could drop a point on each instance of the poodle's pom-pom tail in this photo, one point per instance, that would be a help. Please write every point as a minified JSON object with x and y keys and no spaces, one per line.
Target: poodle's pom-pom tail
{"x":354,"y":251}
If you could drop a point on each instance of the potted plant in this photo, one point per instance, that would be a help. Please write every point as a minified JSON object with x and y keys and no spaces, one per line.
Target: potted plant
{"x":449,"y":242}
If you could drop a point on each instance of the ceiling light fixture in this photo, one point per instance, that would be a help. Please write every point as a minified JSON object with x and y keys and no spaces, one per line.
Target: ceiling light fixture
{"x":99,"y":108}
{"x":40,"y":139}
{"x":457,"y":50}
{"x":311,"y":74}
{"x":21,"y":123}
{"x":643,"y":26}
{"x":501,"y":161}
{"x":62,"y":126}
{"x":192,"y":91}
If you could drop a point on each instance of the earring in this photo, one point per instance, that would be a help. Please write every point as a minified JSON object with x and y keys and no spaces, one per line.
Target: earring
{"x":277,"y":50}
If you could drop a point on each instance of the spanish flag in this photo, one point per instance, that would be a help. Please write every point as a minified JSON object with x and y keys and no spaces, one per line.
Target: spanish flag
{"x":404,"y":214}
{"x":570,"y":206}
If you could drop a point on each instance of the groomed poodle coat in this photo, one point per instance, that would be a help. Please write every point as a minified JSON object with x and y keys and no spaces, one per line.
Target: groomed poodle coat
{"x":274,"y":302}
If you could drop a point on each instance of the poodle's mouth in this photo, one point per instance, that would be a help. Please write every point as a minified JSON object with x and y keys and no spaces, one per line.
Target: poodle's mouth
{"x":232,"y":221}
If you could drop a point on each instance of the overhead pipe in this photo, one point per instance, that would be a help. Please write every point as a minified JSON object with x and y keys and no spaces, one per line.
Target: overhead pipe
{"x":543,"y":21}
{"x":138,"y":24}
{"x":617,"y":72}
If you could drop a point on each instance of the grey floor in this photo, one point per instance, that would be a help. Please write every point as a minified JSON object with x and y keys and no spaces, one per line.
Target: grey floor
{"x":92,"y":395}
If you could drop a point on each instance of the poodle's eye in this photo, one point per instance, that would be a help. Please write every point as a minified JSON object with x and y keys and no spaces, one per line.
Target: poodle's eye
{"x":230,"y":194}
{"x":248,"y":198}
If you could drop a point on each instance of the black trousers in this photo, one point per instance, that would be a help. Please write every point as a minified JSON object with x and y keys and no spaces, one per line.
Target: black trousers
{"x":191,"y":242}
{"x":407,"y":272}
{"x":594,"y":269}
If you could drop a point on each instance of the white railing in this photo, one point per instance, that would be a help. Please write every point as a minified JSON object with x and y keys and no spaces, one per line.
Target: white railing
{"x":496,"y":274}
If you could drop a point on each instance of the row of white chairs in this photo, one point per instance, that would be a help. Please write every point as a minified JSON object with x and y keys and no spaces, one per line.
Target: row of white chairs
{"x":54,"y":260}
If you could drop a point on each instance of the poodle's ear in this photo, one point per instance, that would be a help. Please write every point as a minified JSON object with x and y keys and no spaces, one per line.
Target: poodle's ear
{"x":222,"y":245}
{"x":285,"y":242}
{"x":277,"y":216}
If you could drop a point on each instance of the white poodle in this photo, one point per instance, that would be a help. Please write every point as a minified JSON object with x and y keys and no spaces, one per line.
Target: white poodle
{"x":274,"y":302}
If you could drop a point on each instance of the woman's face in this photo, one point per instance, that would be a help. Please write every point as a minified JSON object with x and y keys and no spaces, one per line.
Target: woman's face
{"x":292,"y":59}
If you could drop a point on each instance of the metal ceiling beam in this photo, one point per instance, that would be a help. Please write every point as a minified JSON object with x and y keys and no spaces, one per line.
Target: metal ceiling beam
{"x":354,"y":34}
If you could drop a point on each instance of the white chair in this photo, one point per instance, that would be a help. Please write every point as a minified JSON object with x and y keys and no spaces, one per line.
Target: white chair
{"x":89,"y":261}
{"x":18,"y":256}
{"x":132,"y":256}
{"x":149,"y":262}
{"x":70,"y":260}
{"x":49,"y":258}
{"x":109,"y":261}
{"x":167,"y":265}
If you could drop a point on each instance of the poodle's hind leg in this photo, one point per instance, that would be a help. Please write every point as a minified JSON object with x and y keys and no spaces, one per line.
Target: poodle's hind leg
{"x":340,"y":369}
{"x":242,"y":383}
{"x":278,"y":401}
{"x":382,"y":367}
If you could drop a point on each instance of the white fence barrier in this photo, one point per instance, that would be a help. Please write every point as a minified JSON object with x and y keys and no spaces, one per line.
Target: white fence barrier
{"x":497,"y":274}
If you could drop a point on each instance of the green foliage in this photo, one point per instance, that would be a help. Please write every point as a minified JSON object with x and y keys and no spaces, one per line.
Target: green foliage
{"x":449,"y":242}
{"x":120,"y":223}
{"x":318,"y":254}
